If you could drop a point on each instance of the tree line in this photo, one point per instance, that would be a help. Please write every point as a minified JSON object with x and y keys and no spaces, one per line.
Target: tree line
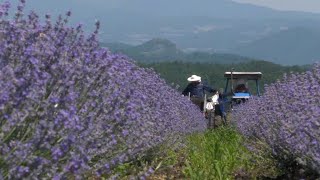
{"x":176,"y":73}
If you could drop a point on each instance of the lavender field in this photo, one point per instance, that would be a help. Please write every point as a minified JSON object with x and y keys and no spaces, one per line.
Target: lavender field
{"x":69,"y":108}
{"x":287,"y":118}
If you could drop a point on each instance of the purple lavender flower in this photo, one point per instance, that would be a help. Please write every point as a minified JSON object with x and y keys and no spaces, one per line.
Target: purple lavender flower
{"x":66,"y":103}
{"x":287,"y":117}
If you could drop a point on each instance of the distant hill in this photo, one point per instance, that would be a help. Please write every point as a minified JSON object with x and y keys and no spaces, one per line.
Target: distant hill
{"x":116,"y":47}
{"x":161,"y":50}
{"x":211,"y":8}
{"x":151,"y":51}
{"x":156,"y":50}
{"x":292,"y":46}
{"x":169,"y":8}
{"x":221,"y":25}
{"x":222,"y":58}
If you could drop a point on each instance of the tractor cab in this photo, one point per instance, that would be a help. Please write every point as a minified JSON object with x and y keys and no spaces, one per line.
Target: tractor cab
{"x":239,"y":82}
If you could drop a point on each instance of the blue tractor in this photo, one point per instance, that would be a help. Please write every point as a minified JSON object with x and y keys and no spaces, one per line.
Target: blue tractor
{"x":220,"y":103}
{"x":239,"y":82}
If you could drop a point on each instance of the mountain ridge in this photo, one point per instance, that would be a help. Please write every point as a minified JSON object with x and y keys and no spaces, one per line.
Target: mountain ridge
{"x":218,"y":25}
{"x":297,"y":46}
{"x":163,"y":50}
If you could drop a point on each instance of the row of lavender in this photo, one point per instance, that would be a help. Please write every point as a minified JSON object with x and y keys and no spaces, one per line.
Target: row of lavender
{"x":287,"y":118}
{"x":68,"y":107}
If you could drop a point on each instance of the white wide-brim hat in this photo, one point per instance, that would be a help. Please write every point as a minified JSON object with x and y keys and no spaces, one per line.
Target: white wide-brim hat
{"x":194,"y":78}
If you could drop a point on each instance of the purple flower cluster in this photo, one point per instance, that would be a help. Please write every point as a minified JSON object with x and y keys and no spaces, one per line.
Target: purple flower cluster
{"x":287,"y":118}
{"x":69,"y":107}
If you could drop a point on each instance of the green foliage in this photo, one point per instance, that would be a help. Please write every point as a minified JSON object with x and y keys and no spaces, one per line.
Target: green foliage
{"x":215,"y":155}
{"x":160,"y":158}
{"x":221,"y":154}
{"x":176,"y":73}
{"x":264,"y":164}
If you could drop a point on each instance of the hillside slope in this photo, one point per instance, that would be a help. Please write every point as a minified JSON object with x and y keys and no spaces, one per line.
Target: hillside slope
{"x":161,"y":50}
{"x":293,"y":46}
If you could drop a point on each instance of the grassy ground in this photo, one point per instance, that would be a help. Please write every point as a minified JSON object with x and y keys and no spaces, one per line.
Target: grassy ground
{"x":218,"y":154}
{"x":215,"y":155}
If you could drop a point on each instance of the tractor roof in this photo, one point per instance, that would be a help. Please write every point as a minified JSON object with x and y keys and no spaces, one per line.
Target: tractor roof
{"x":243,"y":75}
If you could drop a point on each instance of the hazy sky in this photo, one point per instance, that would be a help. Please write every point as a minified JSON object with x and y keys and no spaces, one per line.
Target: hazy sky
{"x":298,"y":5}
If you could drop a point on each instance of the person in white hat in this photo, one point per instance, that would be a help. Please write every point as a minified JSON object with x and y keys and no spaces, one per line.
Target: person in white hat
{"x":196,"y":90}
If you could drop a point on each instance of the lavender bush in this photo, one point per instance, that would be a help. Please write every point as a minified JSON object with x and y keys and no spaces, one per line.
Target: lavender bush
{"x":287,"y":117}
{"x":69,"y":107}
